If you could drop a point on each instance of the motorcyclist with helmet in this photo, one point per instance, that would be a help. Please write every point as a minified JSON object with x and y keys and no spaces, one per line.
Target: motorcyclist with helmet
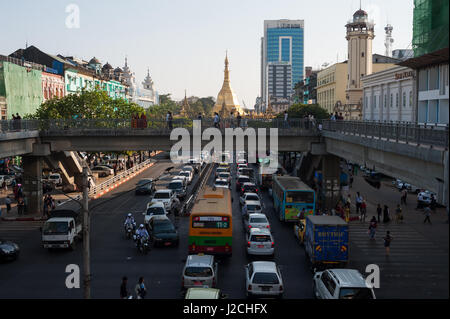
{"x":141,"y":232}
{"x":130,"y":221}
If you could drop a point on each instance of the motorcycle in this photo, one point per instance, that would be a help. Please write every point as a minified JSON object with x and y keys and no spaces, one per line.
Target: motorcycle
{"x":142,"y":244}
{"x":129,"y":230}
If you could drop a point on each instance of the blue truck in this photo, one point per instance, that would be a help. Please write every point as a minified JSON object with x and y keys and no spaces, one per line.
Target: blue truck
{"x":326,"y":242}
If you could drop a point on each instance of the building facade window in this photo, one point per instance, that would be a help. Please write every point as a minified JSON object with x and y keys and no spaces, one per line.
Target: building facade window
{"x":404,"y":99}
{"x":392,"y":100}
{"x":396,"y":100}
{"x":410,"y":98}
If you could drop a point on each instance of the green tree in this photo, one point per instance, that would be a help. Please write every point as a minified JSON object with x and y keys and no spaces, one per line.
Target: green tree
{"x":301,"y":110}
{"x":87,"y":104}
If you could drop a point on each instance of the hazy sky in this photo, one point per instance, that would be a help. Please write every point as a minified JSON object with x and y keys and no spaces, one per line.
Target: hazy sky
{"x":183,"y":42}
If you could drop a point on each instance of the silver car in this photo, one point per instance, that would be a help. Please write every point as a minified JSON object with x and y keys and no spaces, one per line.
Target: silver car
{"x":256,"y":221}
{"x":341,"y":284}
{"x":260,"y":242}
{"x":263,"y":278}
{"x":200,"y":271}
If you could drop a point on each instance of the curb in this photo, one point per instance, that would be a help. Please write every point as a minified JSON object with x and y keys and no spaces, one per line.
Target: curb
{"x":121,"y":182}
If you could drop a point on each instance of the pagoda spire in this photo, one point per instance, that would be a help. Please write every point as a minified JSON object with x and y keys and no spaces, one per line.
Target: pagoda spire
{"x":185,"y":106}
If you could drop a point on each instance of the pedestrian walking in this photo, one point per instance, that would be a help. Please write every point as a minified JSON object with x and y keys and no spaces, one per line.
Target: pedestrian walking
{"x":386,"y":217}
{"x":398,"y":214}
{"x":286,"y":123}
{"x":351,"y":180}
{"x":238,"y":120}
{"x":427,"y":212}
{"x":8,"y":204}
{"x":387,"y":242}
{"x":404,"y":196}
{"x":20,"y":206}
{"x":216,"y":120}
{"x":169,"y":119}
{"x":379,"y":212}
{"x":347,"y":213}
{"x":363,"y":209}
{"x":359,"y":200}
{"x":124,"y":289}
{"x":433,"y":203}
{"x":373,"y":227}
{"x":140,"y":289}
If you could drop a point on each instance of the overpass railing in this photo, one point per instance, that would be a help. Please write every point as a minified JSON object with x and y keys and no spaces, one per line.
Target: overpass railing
{"x":155,"y":126}
{"x":420,"y":134}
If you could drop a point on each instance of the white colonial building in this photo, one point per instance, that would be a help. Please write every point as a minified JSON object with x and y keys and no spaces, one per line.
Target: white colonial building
{"x":389,"y":95}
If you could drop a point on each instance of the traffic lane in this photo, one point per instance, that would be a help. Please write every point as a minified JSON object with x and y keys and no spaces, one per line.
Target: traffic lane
{"x":297,"y":277}
{"x":43,"y":272}
{"x":114,"y":256}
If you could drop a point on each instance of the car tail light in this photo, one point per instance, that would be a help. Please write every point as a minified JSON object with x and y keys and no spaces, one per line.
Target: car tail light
{"x":268,"y":226}
{"x":249,"y":226}
{"x":249,"y":287}
{"x":256,"y":190}
{"x":227,"y":247}
{"x":281,"y":287}
{"x":248,"y":244}
{"x":273,"y":244}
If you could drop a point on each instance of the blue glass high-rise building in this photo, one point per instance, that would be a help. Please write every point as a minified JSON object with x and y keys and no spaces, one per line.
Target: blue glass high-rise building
{"x":283,"y":41}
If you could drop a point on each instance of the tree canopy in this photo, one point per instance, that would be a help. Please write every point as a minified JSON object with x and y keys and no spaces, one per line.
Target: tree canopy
{"x":86,"y":104}
{"x":301,"y":110}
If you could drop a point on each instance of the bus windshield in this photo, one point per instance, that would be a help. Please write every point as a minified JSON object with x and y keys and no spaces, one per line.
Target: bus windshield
{"x":300,"y":197}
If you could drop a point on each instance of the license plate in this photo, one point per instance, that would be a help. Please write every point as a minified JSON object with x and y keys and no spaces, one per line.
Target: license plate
{"x":209,"y":249}
{"x":265,"y":288}
{"x":260,"y":246}
{"x":167,"y":244}
{"x":198,"y":283}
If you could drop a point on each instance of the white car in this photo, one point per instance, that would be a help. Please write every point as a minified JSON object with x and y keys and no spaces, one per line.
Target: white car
{"x":263,"y":278}
{"x":165,"y":196}
{"x":221,"y":169}
{"x":341,"y":284}
{"x":55,"y":178}
{"x":182,"y":178}
{"x":242,"y":166}
{"x":260,"y":242}
{"x":103,"y":170}
{"x":222,"y":183}
{"x":225,"y":175}
{"x":253,"y":207}
{"x":200,"y":271}
{"x":188,"y":174}
{"x":255,"y":221}
{"x":248,"y":196}
{"x":154,"y":209}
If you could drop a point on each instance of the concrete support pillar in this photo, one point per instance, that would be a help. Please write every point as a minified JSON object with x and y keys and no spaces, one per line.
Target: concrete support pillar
{"x":32,"y":183}
{"x":331,"y":171}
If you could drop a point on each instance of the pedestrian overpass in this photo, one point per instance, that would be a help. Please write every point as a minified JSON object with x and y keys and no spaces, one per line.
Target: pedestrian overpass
{"x":417,"y":154}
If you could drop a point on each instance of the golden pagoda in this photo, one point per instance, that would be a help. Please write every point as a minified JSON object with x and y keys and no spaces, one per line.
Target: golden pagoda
{"x":269,"y":111}
{"x":185,"y":106}
{"x":227,"y":101}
